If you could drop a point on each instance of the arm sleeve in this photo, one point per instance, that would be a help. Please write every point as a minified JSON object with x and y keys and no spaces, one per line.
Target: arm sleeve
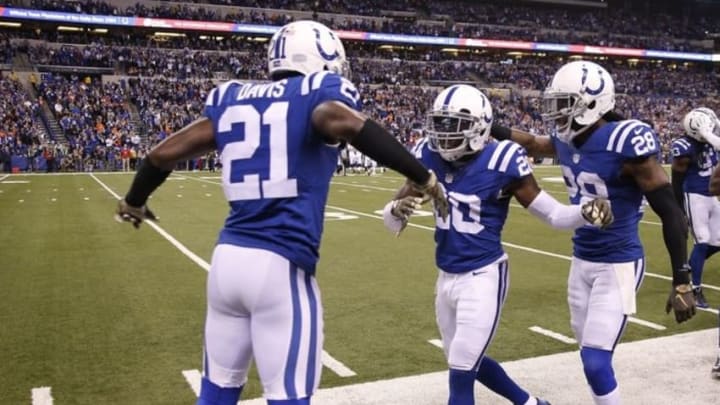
{"x":674,"y":230}
{"x":559,"y":216}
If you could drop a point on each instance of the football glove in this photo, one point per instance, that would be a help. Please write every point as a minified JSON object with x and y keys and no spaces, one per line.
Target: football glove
{"x":134,"y":215}
{"x":403,"y":208}
{"x":434,"y":190}
{"x":598,"y":212}
{"x":682,"y":302}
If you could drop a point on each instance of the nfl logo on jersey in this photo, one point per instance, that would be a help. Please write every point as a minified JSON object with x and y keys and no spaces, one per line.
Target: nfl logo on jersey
{"x":576,"y":158}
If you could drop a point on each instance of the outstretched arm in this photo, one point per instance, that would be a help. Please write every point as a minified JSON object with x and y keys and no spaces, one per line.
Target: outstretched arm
{"x":559,"y":216}
{"x":679,"y":171}
{"x":336,"y":121}
{"x":196,"y":139}
{"x":536,"y":146}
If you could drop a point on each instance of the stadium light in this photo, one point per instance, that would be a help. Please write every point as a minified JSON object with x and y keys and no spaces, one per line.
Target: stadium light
{"x":169,"y":34}
{"x":10,"y":24}
{"x":65,"y":28}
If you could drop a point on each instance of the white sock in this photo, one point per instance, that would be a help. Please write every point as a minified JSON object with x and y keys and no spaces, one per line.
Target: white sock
{"x":531,"y":401}
{"x":611,"y":398}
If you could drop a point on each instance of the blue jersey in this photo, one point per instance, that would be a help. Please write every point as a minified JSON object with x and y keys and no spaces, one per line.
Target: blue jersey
{"x":703,"y":159}
{"x":470,"y":237}
{"x":276,"y":169}
{"x":594,"y":170}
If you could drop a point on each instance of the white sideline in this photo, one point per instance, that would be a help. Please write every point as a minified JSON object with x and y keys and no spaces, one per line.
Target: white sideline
{"x":334,"y":365}
{"x":665,"y":370}
{"x":42,"y":396}
{"x":553,"y":335}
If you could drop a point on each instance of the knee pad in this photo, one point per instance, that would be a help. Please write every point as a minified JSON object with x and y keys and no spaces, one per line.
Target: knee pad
{"x":597,"y":365}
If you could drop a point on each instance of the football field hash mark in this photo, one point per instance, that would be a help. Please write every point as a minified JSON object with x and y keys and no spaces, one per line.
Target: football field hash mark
{"x":41,"y":396}
{"x":327,"y":360}
{"x":193,"y":378}
{"x":553,"y":335}
{"x":436,"y":343}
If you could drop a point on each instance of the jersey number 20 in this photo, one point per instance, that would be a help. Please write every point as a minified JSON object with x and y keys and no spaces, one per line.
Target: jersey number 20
{"x":278,"y":185}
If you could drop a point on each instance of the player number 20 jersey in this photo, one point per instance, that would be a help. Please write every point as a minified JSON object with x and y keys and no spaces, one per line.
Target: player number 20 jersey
{"x":470,"y":237}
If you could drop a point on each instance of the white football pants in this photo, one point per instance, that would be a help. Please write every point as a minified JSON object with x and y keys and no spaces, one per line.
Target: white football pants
{"x":704,"y":216}
{"x":601,"y":296}
{"x":260,"y":305}
{"x":467,"y":310}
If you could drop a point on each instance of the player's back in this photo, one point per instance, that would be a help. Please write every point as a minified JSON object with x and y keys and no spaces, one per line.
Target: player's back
{"x":471,"y":236}
{"x":276,"y":169}
{"x":595,"y":170}
{"x":703,"y":159}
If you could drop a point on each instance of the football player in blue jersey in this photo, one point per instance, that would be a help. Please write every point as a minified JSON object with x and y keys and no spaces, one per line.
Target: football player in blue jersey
{"x":279,"y":150}
{"x":602,"y":155}
{"x":715,"y":190}
{"x":694,"y":160}
{"x":480,"y":178}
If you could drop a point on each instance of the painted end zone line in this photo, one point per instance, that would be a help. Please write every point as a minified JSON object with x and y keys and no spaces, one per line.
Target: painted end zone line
{"x":327,"y":360}
{"x":41,"y":396}
{"x":553,"y":335}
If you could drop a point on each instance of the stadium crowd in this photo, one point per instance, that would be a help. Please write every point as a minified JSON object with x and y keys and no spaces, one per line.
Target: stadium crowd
{"x":167,"y":79}
{"x":492,"y":20}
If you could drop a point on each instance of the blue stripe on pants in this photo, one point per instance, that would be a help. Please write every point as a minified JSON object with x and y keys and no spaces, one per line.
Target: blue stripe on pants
{"x":502,"y":279}
{"x":310,"y":381}
{"x":291,"y":365}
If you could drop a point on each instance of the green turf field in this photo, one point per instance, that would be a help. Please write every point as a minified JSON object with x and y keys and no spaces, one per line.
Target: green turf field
{"x":105,"y":314}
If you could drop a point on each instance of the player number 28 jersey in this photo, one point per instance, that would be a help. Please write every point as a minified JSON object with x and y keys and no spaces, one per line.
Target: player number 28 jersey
{"x":595,"y":170}
{"x":276,"y":170}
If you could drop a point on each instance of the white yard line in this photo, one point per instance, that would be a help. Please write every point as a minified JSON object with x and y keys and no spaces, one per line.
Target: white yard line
{"x":4,"y":177}
{"x":334,"y":365}
{"x":515,"y":246}
{"x":508,"y":244}
{"x":42,"y":396}
{"x":645,"y":323}
{"x":553,"y":335}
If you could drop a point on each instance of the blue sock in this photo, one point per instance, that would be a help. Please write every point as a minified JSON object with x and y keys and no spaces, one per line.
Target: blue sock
{"x":697,"y":261}
{"x":213,"y":394}
{"x":301,"y":401}
{"x":461,"y":387}
{"x":599,"y":373}
{"x":711,"y":250}
{"x":492,"y":375}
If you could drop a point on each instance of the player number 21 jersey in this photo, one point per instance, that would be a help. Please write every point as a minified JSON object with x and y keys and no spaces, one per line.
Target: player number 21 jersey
{"x":276,"y":169}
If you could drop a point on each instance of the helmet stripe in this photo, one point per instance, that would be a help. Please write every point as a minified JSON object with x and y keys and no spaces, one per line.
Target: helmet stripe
{"x":449,"y":95}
